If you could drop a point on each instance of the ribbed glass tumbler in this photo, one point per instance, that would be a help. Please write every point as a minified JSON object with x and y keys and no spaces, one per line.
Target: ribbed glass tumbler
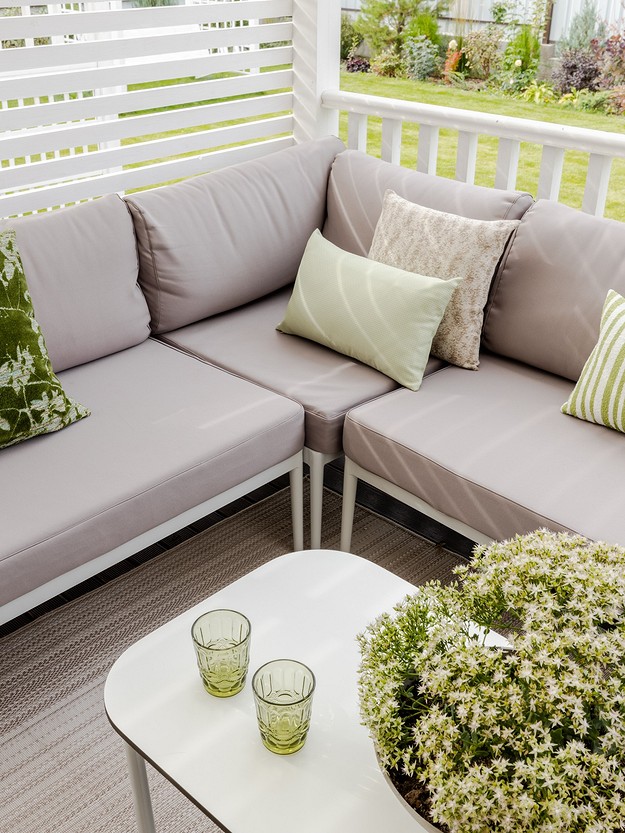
{"x":222,"y":641}
{"x":283,"y":692}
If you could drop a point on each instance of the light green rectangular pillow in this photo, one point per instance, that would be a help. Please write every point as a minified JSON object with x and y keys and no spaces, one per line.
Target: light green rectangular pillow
{"x":380,"y":315}
{"x":599,"y":395}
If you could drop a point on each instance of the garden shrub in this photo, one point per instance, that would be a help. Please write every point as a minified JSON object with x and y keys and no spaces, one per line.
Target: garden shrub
{"x":590,"y":102}
{"x":350,"y":40}
{"x":420,"y":57}
{"x":538,"y":93}
{"x":384,"y":23}
{"x":424,"y":23}
{"x":586,"y":26}
{"x":520,"y":61}
{"x":613,"y":60}
{"x":388,"y":64}
{"x":357,"y":63}
{"x":524,"y":47}
{"x":578,"y":70}
{"x":615,"y":100}
{"x":482,"y":51}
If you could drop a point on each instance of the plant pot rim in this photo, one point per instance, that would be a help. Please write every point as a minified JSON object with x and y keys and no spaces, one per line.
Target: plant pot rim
{"x":426,"y":826}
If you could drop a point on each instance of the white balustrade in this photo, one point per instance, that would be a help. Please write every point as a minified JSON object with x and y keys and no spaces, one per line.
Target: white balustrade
{"x":602,"y":147}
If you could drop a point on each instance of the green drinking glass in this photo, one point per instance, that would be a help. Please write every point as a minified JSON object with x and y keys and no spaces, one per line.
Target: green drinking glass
{"x":221,"y":639}
{"x":283,"y":692}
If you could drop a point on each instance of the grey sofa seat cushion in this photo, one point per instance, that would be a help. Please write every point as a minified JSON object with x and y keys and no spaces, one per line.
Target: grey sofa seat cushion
{"x":81,"y":267}
{"x":358,"y":183}
{"x":546,"y":304}
{"x":493,"y":450}
{"x":219,"y":240}
{"x":166,"y":433}
{"x":246,"y":342}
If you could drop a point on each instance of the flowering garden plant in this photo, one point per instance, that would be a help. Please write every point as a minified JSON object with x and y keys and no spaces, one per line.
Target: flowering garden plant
{"x":527,"y":737}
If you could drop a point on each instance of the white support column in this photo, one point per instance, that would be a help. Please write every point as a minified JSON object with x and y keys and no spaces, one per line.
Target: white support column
{"x":316,"y":64}
{"x":597,"y":181}
{"x":507,"y":163}
{"x":357,"y":131}
{"x":550,"y":176}
{"x":391,"y":140}
{"x":427,"y":149}
{"x":467,"y":157}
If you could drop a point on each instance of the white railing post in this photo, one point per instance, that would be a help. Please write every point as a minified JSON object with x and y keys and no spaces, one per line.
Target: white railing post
{"x":427,"y":148}
{"x":507,"y":163}
{"x":316,"y":66}
{"x":466,"y":157}
{"x":391,"y":140}
{"x":550,"y":176}
{"x":597,"y":181}
{"x":357,"y":131}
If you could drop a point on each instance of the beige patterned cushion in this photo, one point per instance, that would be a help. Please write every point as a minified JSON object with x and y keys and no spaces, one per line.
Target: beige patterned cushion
{"x":429,"y":242}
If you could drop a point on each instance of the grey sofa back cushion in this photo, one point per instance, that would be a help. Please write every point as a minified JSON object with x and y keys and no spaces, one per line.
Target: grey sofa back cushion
{"x":356,"y":191}
{"x":546,"y":303}
{"x":81,"y":267}
{"x":222,"y":239}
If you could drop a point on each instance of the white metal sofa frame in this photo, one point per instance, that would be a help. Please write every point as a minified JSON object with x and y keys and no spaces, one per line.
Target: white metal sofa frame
{"x":293,"y":466}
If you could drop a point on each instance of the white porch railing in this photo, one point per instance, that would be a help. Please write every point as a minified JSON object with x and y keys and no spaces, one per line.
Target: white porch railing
{"x":118,"y":99}
{"x":555,"y":140}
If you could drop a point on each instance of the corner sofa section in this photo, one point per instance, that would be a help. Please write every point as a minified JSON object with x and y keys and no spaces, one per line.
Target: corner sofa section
{"x":246,"y":227}
{"x":489,"y":453}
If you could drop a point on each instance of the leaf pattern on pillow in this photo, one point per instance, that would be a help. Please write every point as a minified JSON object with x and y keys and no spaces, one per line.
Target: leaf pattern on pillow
{"x":442,"y":245}
{"x":32,"y":400}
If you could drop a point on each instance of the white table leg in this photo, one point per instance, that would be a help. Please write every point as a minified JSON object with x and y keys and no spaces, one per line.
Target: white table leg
{"x":140,"y":791}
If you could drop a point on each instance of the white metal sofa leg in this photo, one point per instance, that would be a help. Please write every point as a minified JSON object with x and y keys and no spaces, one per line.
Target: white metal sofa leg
{"x":296,"y":480}
{"x":317,"y":462}
{"x":350,"y":484}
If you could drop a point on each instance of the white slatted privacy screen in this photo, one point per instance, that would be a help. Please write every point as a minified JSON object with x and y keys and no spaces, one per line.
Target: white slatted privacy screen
{"x":96,"y":97}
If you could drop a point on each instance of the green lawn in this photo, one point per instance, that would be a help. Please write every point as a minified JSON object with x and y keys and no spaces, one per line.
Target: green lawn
{"x":574,"y":165}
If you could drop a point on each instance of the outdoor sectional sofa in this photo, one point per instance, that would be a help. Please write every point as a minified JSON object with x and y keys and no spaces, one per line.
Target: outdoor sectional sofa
{"x":160,"y":315}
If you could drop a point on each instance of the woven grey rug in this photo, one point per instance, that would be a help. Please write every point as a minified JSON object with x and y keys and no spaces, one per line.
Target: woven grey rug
{"x":62,"y":767}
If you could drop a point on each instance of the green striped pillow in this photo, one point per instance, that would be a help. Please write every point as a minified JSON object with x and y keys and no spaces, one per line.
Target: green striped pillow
{"x":599,"y":393}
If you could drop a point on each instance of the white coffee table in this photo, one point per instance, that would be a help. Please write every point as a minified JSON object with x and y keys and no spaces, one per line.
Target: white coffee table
{"x":307,"y":606}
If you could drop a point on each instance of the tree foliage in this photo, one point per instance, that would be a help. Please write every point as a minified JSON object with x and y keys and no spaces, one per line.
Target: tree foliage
{"x":383,"y":23}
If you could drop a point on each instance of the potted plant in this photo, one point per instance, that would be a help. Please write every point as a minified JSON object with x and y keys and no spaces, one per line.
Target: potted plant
{"x":525,"y":737}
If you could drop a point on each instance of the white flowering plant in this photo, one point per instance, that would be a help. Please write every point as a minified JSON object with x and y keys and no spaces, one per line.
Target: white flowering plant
{"x":524,"y":737}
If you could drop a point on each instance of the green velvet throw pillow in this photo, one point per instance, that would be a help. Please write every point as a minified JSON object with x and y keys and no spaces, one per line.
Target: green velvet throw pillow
{"x":599,"y":395}
{"x":382,"y":316}
{"x":32,"y":400}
